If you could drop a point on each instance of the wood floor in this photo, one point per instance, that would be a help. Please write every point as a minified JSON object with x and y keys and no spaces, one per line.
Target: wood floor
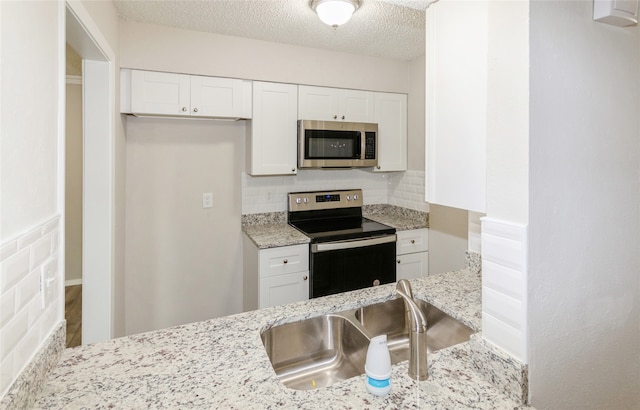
{"x":73,"y":314}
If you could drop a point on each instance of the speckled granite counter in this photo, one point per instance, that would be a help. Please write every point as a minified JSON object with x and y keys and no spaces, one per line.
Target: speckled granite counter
{"x":400,"y":218}
{"x":270,"y":230}
{"x":221,"y":363}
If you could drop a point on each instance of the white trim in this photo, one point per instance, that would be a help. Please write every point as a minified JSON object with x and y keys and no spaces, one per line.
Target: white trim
{"x":91,"y":28}
{"x":72,"y":282}
{"x":74,"y":79}
{"x":62,"y":146}
{"x":99,"y":90}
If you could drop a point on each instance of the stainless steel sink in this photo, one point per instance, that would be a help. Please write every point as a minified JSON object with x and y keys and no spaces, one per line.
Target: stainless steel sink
{"x":389,"y":318}
{"x":316,"y":352}
{"x":320,"y":351}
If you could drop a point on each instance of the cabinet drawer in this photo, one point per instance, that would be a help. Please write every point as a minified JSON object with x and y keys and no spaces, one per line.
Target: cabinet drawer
{"x":283,"y":260}
{"x":415,"y":240}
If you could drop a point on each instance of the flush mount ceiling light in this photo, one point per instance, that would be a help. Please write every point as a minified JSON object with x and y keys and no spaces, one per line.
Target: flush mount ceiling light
{"x":334,"y":12}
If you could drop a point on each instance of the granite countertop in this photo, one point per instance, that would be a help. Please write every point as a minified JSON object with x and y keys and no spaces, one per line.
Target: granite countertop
{"x":402,"y":219}
{"x":221,"y":363}
{"x":270,"y":230}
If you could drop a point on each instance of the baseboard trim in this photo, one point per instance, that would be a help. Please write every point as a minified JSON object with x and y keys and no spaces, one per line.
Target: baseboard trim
{"x":72,"y":282}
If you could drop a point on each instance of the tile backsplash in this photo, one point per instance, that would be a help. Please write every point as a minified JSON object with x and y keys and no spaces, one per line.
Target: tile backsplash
{"x":24,"y":323}
{"x":269,"y":193}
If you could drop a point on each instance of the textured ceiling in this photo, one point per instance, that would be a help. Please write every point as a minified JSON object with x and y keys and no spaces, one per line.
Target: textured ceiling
{"x":381,"y":28}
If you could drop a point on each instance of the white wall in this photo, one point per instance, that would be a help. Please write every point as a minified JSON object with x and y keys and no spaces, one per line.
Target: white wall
{"x":504,"y":229}
{"x":415,"y":115}
{"x":584,"y":283}
{"x":106,"y":19}
{"x":29,"y":207}
{"x":73,"y":185}
{"x":159,"y":48}
{"x":183,"y":262}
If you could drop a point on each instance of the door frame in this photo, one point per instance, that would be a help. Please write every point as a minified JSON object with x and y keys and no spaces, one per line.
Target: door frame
{"x":98,"y":106}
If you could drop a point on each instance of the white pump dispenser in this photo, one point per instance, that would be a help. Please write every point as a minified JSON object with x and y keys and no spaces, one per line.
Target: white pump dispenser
{"x":378,"y":367}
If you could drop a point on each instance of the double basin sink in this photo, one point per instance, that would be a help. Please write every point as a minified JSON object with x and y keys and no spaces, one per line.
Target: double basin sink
{"x":320,"y":351}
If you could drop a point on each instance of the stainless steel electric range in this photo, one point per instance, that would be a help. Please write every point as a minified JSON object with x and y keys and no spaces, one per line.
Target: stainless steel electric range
{"x":347,"y":251}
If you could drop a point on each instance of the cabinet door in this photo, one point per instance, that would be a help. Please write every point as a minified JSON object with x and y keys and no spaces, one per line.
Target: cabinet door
{"x":356,"y":106}
{"x":456,"y":101}
{"x":216,"y":97}
{"x":412,"y":266}
{"x":160,"y":93}
{"x":391,"y":116}
{"x":273,"y":142}
{"x":283,"y":289}
{"x":317,"y":103}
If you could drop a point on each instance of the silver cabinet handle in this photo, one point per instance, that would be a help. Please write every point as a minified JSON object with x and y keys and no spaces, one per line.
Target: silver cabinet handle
{"x":195,"y":109}
{"x":335,"y":117}
{"x":293,"y":170}
{"x":305,"y":277}
{"x":378,"y":167}
{"x":413,"y":241}
{"x":285,"y":261}
{"x":398,"y":261}
{"x":343,"y":117}
{"x":184,"y":109}
{"x":376,"y":282}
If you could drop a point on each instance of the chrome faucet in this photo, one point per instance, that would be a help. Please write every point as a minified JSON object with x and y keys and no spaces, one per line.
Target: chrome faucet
{"x":417,"y":332}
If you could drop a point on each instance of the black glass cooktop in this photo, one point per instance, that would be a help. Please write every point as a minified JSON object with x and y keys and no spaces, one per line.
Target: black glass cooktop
{"x":325,"y":230}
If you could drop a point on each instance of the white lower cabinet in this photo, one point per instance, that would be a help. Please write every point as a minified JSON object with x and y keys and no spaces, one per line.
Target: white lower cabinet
{"x":283,"y":289}
{"x":274,"y":276}
{"x":412,"y":254}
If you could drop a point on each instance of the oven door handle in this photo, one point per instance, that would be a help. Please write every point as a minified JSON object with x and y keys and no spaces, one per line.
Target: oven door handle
{"x":356,"y":243}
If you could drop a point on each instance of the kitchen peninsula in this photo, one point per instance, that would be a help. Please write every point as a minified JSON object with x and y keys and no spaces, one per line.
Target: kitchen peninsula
{"x":221,"y":363}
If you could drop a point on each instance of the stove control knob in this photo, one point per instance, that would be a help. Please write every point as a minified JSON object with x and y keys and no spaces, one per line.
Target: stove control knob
{"x":298,"y":200}
{"x":305,"y":200}
{"x":355,"y":197}
{"x":348,"y":197}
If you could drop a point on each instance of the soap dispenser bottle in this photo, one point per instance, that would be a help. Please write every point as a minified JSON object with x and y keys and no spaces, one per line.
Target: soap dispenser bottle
{"x":378,"y":367}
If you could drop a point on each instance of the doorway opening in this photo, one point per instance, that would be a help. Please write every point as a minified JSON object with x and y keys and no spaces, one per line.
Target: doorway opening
{"x":73,"y":198}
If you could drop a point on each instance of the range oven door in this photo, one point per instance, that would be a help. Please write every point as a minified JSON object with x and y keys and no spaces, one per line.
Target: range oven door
{"x":348,"y":265}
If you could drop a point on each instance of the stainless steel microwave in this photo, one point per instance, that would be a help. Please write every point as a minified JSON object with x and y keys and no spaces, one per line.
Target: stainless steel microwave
{"x":337,"y":144}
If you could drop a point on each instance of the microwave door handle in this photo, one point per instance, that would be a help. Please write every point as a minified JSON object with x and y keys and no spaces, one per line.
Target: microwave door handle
{"x":358,"y":153}
{"x":358,"y":243}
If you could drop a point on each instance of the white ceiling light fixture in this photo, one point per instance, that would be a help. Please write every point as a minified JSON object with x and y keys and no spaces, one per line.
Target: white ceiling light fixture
{"x":335,"y":12}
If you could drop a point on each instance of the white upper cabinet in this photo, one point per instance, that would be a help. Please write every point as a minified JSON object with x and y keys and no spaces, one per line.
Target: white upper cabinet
{"x":273,"y":139}
{"x":456,"y":101}
{"x":391,"y":116}
{"x":335,"y":104}
{"x":216,"y":97}
{"x":160,"y":93}
{"x":180,"y":95}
